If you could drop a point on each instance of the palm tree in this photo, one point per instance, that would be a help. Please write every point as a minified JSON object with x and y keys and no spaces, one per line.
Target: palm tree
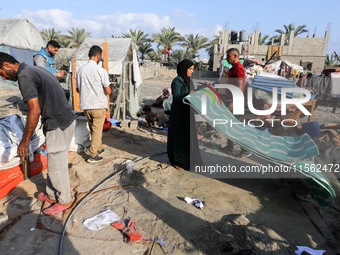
{"x":64,"y":41}
{"x":214,"y":41}
{"x":144,"y":49}
{"x":330,"y":61}
{"x":77,"y":36}
{"x":155,"y":55}
{"x":138,"y":37}
{"x":167,"y":38}
{"x":195,"y":43}
{"x":297,"y":31}
{"x":50,"y":34}
{"x":178,"y":55}
{"x":262,"y":39}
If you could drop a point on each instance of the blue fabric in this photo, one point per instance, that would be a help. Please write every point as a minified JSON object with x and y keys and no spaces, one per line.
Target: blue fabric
{"x":50,"y":61}
{"x":115,"y":122}
{"x":22,"y":55}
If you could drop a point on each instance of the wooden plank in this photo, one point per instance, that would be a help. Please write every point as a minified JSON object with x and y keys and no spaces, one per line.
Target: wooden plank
{"x":106,"y":67}
{"x":332,"y":69}
{"x":26,"y":167}
{"x":74,"y":82}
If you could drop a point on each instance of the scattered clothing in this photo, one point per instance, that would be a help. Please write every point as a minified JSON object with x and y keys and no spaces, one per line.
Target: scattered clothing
{"x":310,"y":251}
{"x":196,"y":202}
{"x":101,"y":220}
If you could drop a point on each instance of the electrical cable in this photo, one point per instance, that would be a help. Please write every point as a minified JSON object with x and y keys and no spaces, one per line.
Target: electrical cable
{"x":109,"y":177}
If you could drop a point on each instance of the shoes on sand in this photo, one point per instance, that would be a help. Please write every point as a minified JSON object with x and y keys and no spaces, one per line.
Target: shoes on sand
{"x":94,"y":159}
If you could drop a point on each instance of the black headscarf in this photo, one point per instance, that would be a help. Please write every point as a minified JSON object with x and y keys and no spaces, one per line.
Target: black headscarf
{"x":182,"y":69}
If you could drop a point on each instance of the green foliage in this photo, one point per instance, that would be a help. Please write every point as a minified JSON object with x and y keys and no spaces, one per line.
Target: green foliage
{"x":167,"y":38}
{"x":199,"y":66}
{"x":262,"y":39}
{"x":195,"y":43}
{"x":144,"y":49}
{"x":178,"y":55}
{"x":139,"y":37}
{"x":50,"y":34}
{"x":155,"y":55}
{"x":297,"y":31}
{"x":331,"y":61}
{"x":64,"y":41}
{"x":77,"y":36}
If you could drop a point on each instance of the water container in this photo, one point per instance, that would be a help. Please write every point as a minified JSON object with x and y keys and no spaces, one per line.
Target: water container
{"x":243,"y":36}
{"x":311,"y":128}
{"x":233,"y":36}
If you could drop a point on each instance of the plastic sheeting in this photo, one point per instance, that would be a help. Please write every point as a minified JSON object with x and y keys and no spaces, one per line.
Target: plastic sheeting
{"x":82,"y":134}
{"x":21,"y":34}
{"x":11,"y":131}
{"x":335,"y":92}
{"x":118,"y":49}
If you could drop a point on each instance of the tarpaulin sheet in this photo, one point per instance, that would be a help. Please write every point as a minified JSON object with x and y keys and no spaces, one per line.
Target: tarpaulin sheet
{"x":11,"y":131}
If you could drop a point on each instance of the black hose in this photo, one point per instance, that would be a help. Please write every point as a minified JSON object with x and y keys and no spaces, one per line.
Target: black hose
{"x":111,"y":176}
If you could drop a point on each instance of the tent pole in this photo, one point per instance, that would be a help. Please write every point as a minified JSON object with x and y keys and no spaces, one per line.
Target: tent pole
{"x":124,"y":82}
{"x":130,"y":87}
{"x":74,"y":81}
{"x":106,"y":67}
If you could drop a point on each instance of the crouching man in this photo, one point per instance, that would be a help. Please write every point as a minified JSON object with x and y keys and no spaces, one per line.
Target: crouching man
{"x":45,"y":97}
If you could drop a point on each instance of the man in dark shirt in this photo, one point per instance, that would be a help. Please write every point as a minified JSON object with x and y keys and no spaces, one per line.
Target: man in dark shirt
{"x":237,"y":77}
{"x":44,"y":96}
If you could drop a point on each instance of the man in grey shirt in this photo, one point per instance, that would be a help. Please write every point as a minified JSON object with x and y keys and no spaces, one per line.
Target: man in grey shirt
{"x":45,"y":97}
{"x":93,"y":86}
{"x":46,"y":58}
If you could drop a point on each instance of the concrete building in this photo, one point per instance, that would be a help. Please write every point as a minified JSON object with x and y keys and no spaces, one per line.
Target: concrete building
{"x":309,"y":52}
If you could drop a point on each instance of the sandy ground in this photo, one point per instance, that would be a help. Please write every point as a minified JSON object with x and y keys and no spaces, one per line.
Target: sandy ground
{"x":240,"y":216}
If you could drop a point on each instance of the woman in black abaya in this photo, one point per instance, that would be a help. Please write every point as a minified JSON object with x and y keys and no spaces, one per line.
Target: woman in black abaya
{"x":182,"y":144}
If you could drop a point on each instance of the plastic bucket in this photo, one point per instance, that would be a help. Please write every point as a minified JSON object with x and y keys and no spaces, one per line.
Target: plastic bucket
{"x":311,"y":128}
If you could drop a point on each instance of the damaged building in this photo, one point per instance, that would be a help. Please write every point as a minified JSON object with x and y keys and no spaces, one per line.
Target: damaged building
{"x":309,"y":52}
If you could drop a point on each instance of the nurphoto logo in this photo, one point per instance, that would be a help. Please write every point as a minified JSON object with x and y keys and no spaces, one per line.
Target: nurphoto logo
{"x":238,"y":102}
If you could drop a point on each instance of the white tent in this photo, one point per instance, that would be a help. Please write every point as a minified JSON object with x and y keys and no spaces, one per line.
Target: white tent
{"x":21,"y":34}
{"x":19,"y":38}
{"x":123,"y":68}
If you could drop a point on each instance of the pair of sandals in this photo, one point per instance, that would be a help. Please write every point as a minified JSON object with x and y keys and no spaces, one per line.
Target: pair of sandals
{"x":55,"y":208}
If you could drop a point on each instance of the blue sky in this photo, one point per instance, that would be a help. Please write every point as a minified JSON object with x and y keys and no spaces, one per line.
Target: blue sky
{"x":104,"y":18}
